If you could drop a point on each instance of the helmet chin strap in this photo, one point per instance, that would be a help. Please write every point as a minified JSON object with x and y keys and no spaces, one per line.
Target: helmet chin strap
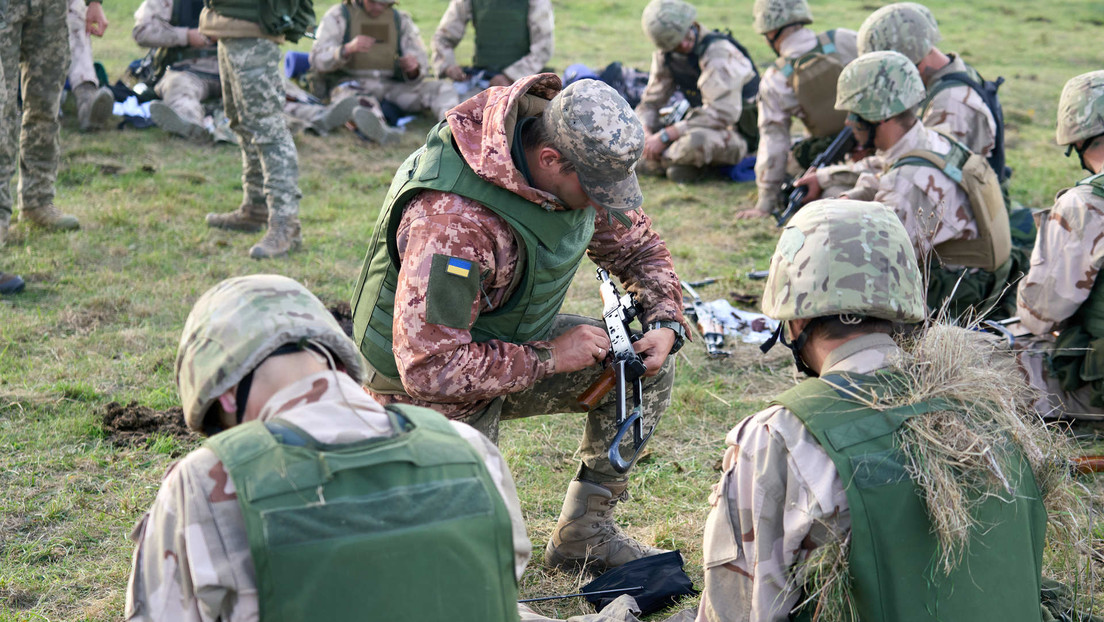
{"x":1085,"y":146}
{"x":795,"y":346}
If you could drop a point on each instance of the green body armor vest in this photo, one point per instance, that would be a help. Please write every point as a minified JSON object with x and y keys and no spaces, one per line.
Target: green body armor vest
{"x":553,"y":243}
{"x":289,"y":18}
{"x":501,"y":33}
{"x":1077,"y":358}
{"x":891,"y":559}
{"x":406,"y":527}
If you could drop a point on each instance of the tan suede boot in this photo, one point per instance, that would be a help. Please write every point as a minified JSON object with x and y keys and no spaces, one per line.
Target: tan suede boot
{"x":282,"y":237}
{"x":94,"y":105}
{"x":248,"y":217}
{"x":586,"y":534}
{"x":50,"y":217}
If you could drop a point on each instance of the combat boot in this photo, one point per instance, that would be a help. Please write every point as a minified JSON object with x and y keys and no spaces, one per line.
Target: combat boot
{"x":334,"y":116}
{"x":586,"y":535}
{"x":10,"y":283}
{"x":248,"y":217}
{"x":684,"y":173}
{"x":94,"y":106}
{"x":164,"y":117}
{"x":281,"y":238}
{"x":50,"y":217}
{"x":367,"y":121}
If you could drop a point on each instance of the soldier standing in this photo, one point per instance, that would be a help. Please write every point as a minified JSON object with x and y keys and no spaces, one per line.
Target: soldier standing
{"x":457,"y":306}
{"x":1062,"y":291}
{"x":94,"y":102}
{"x":253,"y":98}
{"x":800,"y":84}
{"x":719,"y":80}
{"x":9,"y":283}
{"x":513,"y":39}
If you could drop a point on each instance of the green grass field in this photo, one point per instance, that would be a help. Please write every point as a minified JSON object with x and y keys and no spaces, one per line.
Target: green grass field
{"x":104,"y":306}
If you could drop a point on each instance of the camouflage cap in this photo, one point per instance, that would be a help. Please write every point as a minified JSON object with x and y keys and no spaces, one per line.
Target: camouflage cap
{"x":773,"y":14}
{"x":236,"y":324}
{"x":1081,"y":108}
{"x":666,"y":22}
{"x":841,"y":256}
{"x":595,"y":129}
{"x":905,"y":27}
{"x":879,"y":85}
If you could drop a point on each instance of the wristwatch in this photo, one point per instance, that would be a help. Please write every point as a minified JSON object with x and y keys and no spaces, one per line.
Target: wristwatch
{"x":664,"y":137}
{"x":680,"y":332}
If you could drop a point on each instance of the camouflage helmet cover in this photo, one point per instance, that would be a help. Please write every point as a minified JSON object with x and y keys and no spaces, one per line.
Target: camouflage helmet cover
{"x":879,"y":85}
{"x":236,"y":324}
{"x":666,"y":22}
{"x":1081,"y":108}
{"x":905,"y":27}
{"x":773,"y":14}
{"x":839,"y":256}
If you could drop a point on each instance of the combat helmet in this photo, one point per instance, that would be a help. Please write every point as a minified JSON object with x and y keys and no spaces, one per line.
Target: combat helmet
{"x":237,"y":324}
{"x":905,"y":27}
{"x":839,"y":256}
{"x":879,"y":85}
{"x":667,"y":21}
{"x":774,"y":14}
{"x":1081,"y":108}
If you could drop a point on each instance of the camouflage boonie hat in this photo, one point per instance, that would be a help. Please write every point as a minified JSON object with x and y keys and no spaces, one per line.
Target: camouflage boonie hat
{"x":594,"y":128}
{"x":1081,"y":108}
{"x":905,"y":27}
{"x":841,"y":256}
{"x":879,"y":85}
{"x":666,"y":22}
{"x":773,"y":14}
{"x":236,"y":324}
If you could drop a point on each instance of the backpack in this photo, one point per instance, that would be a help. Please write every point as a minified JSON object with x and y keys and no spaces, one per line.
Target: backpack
{"x":987,"y":89}
{"x":813,"y":77}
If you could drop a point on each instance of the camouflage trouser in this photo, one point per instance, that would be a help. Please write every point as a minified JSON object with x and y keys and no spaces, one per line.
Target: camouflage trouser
{"x":34,"y":49}
{"x":1053,"y":400}
{"x":184,"y":92}
{"x":253,"y":98}
{"x":81,"y":69}
{"x":704,"y":147}
{"x":437,"y":96}
{"x":557,"y":393}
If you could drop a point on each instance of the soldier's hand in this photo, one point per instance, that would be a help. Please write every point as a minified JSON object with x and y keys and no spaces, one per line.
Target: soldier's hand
{"x":95,"y":22}
{"x":654,"y":346}
{"x":654,"y":147}
{"x":810,"y":181}
{"x":500,"y":80}
{"x":456,"y":74}
{"x":409,"y":66}
{"x":197,"y":40}
{"x":580,"y":347}
{"x":362,"y":43}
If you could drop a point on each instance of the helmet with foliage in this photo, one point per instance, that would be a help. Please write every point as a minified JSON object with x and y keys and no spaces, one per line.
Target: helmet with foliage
{"x":666,"y":22}
{"x":237,"y":324}
{"x":879,"y":85}
{"x":905,"y":27}
{"x":773,"y":14}
{"x":1081,"y":108}
{"x":839,"y":256}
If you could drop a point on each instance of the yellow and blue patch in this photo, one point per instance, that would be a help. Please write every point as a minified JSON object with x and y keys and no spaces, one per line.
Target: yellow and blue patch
{"x":458,"y":267}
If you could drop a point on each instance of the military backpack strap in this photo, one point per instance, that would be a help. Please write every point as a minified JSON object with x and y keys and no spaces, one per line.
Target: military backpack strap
{"x":987,"y":90}
{"x":1096,"y":182}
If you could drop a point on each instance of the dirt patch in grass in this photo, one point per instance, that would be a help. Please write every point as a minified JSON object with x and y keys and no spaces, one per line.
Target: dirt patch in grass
{"x":344,"y":316}
{"x":19,"y":600}
{"x":135,"y":424}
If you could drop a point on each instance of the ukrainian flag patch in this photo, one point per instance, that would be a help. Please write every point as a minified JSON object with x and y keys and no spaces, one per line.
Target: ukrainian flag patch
{"x":458,"y":267}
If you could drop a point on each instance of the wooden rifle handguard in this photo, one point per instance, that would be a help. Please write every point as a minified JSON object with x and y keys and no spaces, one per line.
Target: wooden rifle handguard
{"x":593,"y":394}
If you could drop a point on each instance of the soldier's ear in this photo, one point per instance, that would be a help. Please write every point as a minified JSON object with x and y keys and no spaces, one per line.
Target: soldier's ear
{"x":229,"y":402}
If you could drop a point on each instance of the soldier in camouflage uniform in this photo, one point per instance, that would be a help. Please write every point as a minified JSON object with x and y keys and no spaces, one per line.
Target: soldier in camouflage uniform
{"x":958,"y":110}
{"x":356,"y":64}
{"x":1062,"y":291}
{"x":842,"y":281}
{"x":262,"y":348}
{"x":94,"y":102}
{"x":715,"y":75}
{"x":253,"y":98}
{"x":34,"y":47}
{"x":783,"y":22}
{"x":457,"y":303}
{"x":513,"y":39}
{"x":9,"y":283}
{"x":881,"y":91}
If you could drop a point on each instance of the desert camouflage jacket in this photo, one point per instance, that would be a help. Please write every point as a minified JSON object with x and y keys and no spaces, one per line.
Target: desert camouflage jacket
{"x":1068,"y":254}
{"x":959,"y":111}
{"x":724,"y":71}
{"x":325,"y":54}
{"x":780,"y":497}
{"x":192,"y":561}
{"x":441,"y":367}
{"x":778,"y":106}
{"x":153,"y":29}
{"x":933,"y":208}
{"x":455,"y":21}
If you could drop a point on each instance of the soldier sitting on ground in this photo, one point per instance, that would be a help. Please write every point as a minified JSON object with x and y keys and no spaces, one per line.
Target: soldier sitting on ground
{"x":801,"y":84}
{"x":719,"y":80}
{"x":948,"y":198}
{"x":310,"y":501}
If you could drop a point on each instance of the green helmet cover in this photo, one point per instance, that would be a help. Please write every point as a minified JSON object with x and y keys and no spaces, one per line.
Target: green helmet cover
{"x":666,"y":22}
{"x":879,"y":85}
{"x":905,"y":27}
{"x":773,"y":14}
{"x":1081,"y":108}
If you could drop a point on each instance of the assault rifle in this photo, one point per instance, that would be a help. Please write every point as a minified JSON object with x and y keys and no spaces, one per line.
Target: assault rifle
{"x":711,"y":329}
{"x":843,"y":143}
{"x":625,"y":367}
